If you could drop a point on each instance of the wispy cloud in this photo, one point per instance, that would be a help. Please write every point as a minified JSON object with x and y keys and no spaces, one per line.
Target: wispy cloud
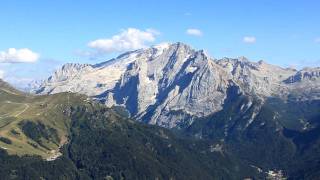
{"x":317,"y":40}
{"x":194,"y":32}
{"x":249,"y":39}
{"x":13,"y":55}
{"x":128,"y":39}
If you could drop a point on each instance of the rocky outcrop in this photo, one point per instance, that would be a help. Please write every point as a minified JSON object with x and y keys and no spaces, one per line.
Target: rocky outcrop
{"x":306,"y":74}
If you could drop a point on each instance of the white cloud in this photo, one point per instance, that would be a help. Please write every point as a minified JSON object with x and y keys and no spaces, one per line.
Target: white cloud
{"x":129,"y":39}
{"x":1,"y":74}
{"x":194,"y":32}
{"x":317,"y":40}
{"x":249,"y":39}
{"x":13,"y":55}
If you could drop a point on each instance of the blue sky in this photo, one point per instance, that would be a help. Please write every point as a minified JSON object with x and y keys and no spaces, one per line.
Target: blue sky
{"x":285,"y":32}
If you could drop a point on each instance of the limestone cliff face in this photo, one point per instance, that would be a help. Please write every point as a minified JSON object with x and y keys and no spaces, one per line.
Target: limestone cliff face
{"x":169,"y":84}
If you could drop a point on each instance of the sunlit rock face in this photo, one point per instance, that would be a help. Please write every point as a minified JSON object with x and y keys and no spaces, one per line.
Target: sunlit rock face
{"x":170,"y":84}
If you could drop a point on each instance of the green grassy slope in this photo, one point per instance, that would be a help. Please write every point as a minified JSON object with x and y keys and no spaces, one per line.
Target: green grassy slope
{"x":49,"y":112}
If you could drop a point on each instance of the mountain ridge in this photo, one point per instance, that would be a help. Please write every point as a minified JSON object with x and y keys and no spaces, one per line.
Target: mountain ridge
{"x":165,"y":83}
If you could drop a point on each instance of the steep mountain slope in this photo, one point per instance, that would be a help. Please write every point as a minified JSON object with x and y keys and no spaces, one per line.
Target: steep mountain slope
{"x":66,"y":136}
{"x":271,"y":134}
{"x":130,"y":150}
{"x":304,"y":84}
{"x":257,"y":78}
{"x":171,"y":84}
{"x":150,"y":83}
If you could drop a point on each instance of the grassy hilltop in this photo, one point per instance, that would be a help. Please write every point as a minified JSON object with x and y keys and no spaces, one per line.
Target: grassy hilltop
{"x":34,"y":125}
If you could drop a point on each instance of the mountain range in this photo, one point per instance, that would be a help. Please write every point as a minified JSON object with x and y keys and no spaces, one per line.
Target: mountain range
{"x":164,"y":112}
{"x":170,"y":85}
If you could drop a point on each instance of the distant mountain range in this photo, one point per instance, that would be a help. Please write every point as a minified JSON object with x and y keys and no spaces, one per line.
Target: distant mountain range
{"x":172,"y":84}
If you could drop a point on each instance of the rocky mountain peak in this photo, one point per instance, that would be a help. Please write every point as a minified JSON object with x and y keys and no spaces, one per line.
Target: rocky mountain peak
{"x":306,"y":74}
{"x":68,"y":70}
